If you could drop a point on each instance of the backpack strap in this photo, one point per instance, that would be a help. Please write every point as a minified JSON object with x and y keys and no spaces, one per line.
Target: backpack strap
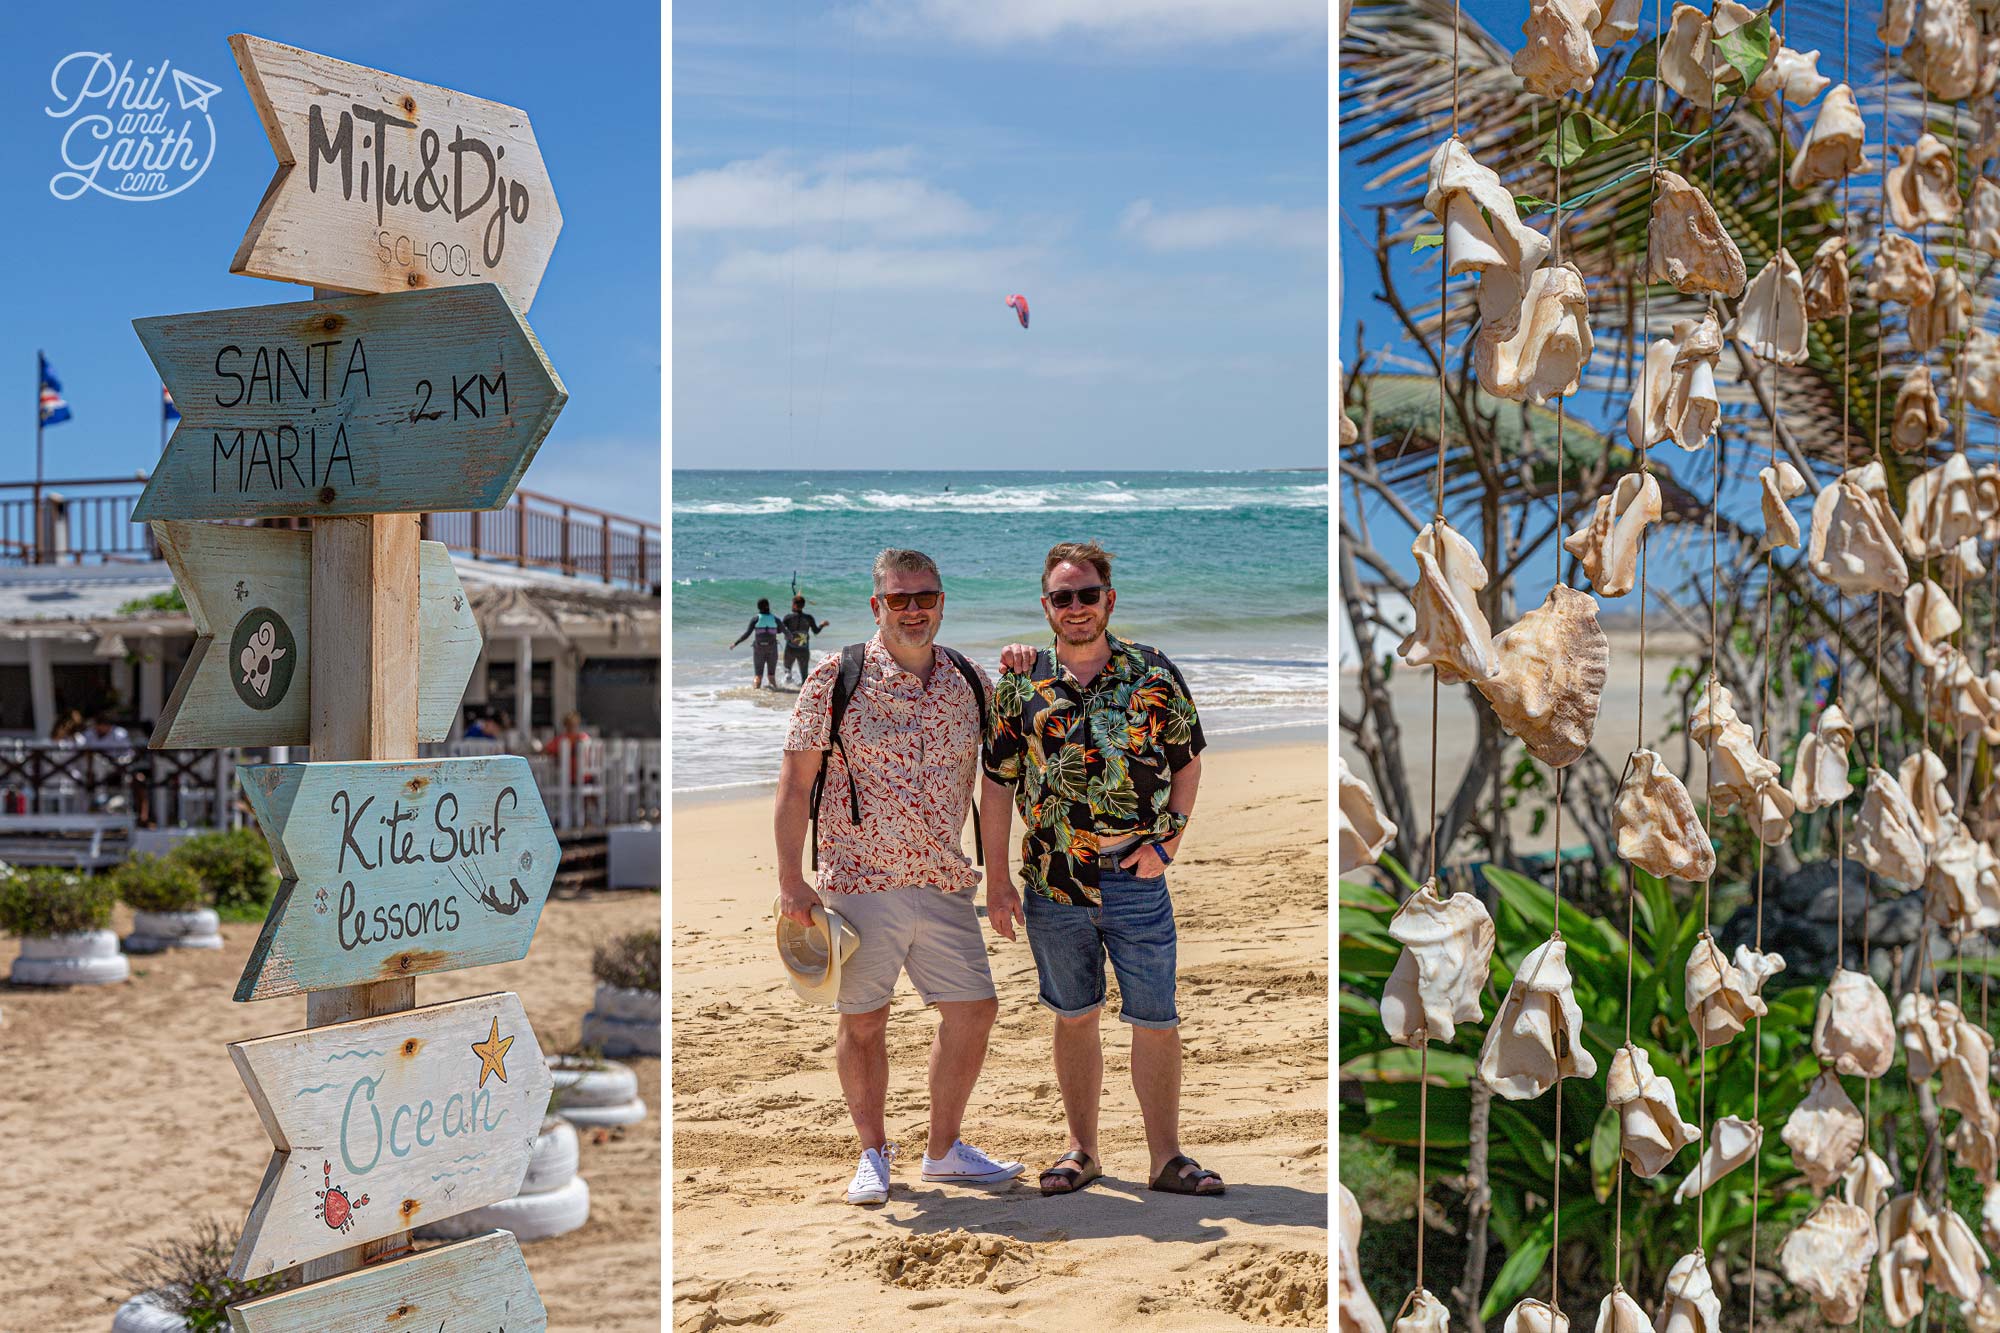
{"x":973,"y":683}
{"x":844,"y":685}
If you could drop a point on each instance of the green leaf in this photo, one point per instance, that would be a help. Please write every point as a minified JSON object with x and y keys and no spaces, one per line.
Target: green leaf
{"x":1748,"y":49}
{"x":1604,"y":1145}
{"x":1428,"y":241}
{"x":1400,"y":1064}
{"x":1365,"y":896}
{"x":1645,"y":65}
{"x":1530,"y":204}
{"x":1575,"y":137}
{"x":1518,"y":1274}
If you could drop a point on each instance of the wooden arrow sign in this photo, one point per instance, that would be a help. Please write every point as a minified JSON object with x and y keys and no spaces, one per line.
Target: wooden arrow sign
{"x":394,"y":868}
{"x":473,"y":1286}
{"x":247,"y":680}
{"x":389,"y":185}
{"x":386,"y":1123}
{"x":358,"y":405}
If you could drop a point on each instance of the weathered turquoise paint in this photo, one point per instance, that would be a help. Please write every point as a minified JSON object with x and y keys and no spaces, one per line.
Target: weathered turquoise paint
{"x":479,"y":1285}
{"x":237,"y":578}
{"x":394,"y":868}
{"x":433,"y":400}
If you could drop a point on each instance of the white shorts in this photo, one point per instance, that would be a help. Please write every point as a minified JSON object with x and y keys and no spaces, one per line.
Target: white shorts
{"x":933,"y":935}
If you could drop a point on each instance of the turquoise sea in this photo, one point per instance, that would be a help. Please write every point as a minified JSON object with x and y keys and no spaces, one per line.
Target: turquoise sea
{"x":1225,"y":572}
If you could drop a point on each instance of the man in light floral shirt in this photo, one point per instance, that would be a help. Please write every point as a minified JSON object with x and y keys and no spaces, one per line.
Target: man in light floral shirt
{"x":905,"y":758}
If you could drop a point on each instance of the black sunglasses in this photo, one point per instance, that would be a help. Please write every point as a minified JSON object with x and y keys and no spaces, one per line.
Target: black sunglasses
{"x":900,"y":601}
{"x":1062,"y":597}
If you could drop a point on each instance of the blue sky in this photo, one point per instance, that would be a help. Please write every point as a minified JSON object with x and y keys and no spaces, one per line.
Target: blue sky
{"x":858,"y":188}
{"x":82,"y":270}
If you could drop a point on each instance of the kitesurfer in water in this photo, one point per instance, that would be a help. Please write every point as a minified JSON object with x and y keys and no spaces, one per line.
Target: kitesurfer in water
{"x":764,"y":649}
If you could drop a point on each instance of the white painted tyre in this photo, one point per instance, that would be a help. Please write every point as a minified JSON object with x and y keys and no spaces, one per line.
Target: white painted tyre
{"x":154,"y":932}
{"x":601,"y":1117}
{"x":552,"y":1164}
{"x":86,"y":958}
{"x":621,"y":1036}
{"x":641,"y":1006}
{"x":528,"y":1216}
{"x":144,"y":1314}
{"x":605,"y":1084}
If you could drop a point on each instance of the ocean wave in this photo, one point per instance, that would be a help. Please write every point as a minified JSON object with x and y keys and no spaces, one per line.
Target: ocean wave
{"x":1078,"y":498}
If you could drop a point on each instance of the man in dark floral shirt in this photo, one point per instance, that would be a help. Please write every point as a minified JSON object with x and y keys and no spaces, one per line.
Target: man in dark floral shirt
{"x":1098,"y":745}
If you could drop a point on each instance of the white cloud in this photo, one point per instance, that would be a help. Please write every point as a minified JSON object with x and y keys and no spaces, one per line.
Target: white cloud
{"x":872,"y":268}
{"x":868,"y":193}
{"x":1224,"y":227}
{"x":1142,"y":22}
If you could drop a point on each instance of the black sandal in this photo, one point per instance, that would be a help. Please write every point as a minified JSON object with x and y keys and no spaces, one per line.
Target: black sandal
{"x":1171,"y":1181}
{"x":1075,"y":1177}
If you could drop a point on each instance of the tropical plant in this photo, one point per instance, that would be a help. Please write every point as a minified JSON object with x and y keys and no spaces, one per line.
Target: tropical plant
{"x":631,"y":961}
{"x":49,"y":900}
{"x":158,"y":884}
{"x":189,"y":1275}
{"x":236,"y":870}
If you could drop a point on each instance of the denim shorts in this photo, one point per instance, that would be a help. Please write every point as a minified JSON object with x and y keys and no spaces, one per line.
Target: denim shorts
{"x":1134,"y":925}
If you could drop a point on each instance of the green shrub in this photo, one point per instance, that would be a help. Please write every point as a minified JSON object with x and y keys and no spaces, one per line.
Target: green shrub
{"x":48,"y":900}
{"x":190,"y":1275}
{"x":158,"y":884}
{"x":632,"y":961}
{"x":235,"y":868}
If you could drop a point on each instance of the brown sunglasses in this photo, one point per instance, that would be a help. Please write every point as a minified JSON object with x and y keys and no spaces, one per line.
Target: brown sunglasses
{"x":900,"y":601}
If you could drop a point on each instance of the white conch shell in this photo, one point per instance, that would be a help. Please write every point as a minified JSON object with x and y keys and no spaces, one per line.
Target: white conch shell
{"x":1929,"y":1029}
{"x":1722,"y":997}
{"x":1959,"y":697}
{"x":1902,"y":1257}
{"x":1687,"y":58}
{"x":1963,"y":1082}
{"x":1979,"y":368}
{"x":1426,"y":1314}
{"x":1956,"y":1257}
{"x":1942,"y":508}
{"x":1986,"y":480}
{"x":1772,"y":318}
{"x":1922,"y":776}
{"x":1989,"y":1215}
{"x":1832,"y":147}
{"x":1982,"y":217}
{"x":1364,"y":833}
{"x":1552,"y":669}
{"x":1349,"y":432}
{"x":1899,"y":17}
{"x":1780,"y":483}
{"x":1827,"y":1257}
{"x":1655,"y":821}
{"x":1357,"y":1309}
{"x":1608,"y":545}
{"x":1451,"y":632}
{"x":1886,"y":835}
{"x":1819,"y":774}
{"x":1824,"y":1131}
{"x":1854,"y":1030}
{"x":1675,"y":398}
{"x":1949,"y":311}
{"x":1794,"y":74}
{"x":1731,"y":1143}
{"x":1962,"y":561}
{"x":1982,"y":1312}
{"x":1740,"y":776}
{"x":1827,"y":281}
{"x":1928,"y":618}
{"x":1651,"y":1131}
{"x":1866,"y":1182}
{"x":1944,"y":54}
{"x":1923,"y":185}
{"x":1447,"y":954}
{"x":1541,"y":353}
{"x":1690,"y":1304}
{"x":1900,"y":273}
{"x":1917,"y":419}
{"x":1617,"y":21}
{"x":1559,"y":56}
{"x":1853,"y":547}
{"x":1537,"y":1035}
{"x":1482,"y":225}
{"x":1690,"y":249}
{"x":1533,"y":1316}
{"x":1619,"y":1313}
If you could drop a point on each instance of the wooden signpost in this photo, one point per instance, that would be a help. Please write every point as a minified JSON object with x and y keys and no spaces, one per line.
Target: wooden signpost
{"x":388,"y":1122}
{"x":475,"y":1286}
{"x":394,"y":869}
{"x":248,"y":680}
{"x":389,"y":185}
{"x":363,"y":405}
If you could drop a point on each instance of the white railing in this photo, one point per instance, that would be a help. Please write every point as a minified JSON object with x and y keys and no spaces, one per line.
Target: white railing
{"x":585,"y":784}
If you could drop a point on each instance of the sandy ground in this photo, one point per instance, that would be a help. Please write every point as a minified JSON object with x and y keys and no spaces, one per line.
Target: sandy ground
{"x":763,"y":1148}
{"x":125,"y":1121}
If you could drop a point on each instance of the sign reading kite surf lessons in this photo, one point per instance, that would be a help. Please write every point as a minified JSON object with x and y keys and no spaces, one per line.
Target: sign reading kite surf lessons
{"x":358,"y":405}
{"x":395,"y":868}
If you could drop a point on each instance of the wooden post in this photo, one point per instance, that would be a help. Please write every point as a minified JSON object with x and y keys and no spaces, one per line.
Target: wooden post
{"x":607,"y":548}
{"x":520,"y":533}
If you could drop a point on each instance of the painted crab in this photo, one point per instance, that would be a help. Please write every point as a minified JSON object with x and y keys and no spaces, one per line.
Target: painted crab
{"x":335,"y":1208}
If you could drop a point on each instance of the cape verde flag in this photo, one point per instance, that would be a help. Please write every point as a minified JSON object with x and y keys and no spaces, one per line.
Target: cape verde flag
{"x":52,"y":409}
{"x":168,"y":412}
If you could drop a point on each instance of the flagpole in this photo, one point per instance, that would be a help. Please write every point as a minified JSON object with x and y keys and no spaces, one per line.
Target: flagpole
{"x":35,"y":517}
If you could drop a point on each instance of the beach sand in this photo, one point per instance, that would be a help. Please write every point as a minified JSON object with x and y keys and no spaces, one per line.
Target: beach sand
{"x":125,"y":1123}
{"x":763,"y":1148}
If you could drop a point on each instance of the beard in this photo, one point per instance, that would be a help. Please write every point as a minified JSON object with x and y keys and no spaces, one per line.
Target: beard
{"x":1079,"y":636}
{"x":893,"y":631}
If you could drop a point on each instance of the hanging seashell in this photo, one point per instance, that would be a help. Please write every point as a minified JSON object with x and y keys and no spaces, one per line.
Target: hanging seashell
{"x":1482,"y":225}
{"x":1942,"y":509}
{"x":1979,"y":369}
{"x":1656,"y":825}
{"x":1854,"y":1030}
{"x":1951,"y":882}
{"x":1690,"y":1305}
{"x":1688,"y":60}
{"x":1956,"y":1257}
{"x":1962,"y":561}
{"x":1772,"y":318}
{"x":1819,"y":774}
{"x":1923,"y":185}
{"x":1675,"y":398}
{"x":1949,"y":311}
{"x":1832,"y":148}
{"x":1989,"y":1215}
{"x":1975,"y":1145}
{"x":1886,"y":837}
{"x":1447,"y":954}
{"x":1723,"y":997}
{"x":1899,"y":17}
{"x":1780,"y":484}
{"x":1357,"y":1309}
{"x":1619,"y":1313}
{"x":1559,"y":56}
{"x":1853,"y":547}
{"x":1608,"y":545}
{"x":1619,"y":22}
{"x":1541,"y":352}
{"x":1824,"y":1131}
{"x":1982,"y":1312}
{"x":1690,"y":249}
{"x":1533,"y":1316}
{"x":1963,"y":1077}
{"x":1960,"y":698}
{"x":1900,"y":273}
{"x":1866,"y":1182}
{"x":1731,"y":1143}
{"x":1922,"y":776}
{"x":1826,"y":280}
{"x":1903,"y":1255}
{"x":1918,"y":419}
{"x":1740,"y":776}
{"x":1827,"y":1257}
{"x":1451,"y":632}
{"x":1944,"y":54}
{"x":1537,"y":1035}
{"x":1552,"y":669}
{"x":1349,"y":432}
{"x":1982,"y":217}
{"x":1364,"y":833}
{"x":1929,"y":1029}
{"x":1928,"y":618}
{"x":1650,"y":1129}
{"x":1425,"y":1315}
{"x":1794,"y":74}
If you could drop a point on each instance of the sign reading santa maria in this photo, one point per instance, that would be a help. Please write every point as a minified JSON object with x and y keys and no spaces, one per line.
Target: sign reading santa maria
{"x":475,"y":1286}
{"x":386,"y":1123}
{"x":397,"y":867}
{"x":389,"y":185}
{"x":358,"y":405}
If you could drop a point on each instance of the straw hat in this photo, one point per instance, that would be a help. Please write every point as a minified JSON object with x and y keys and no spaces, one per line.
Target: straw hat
{"x":812,"y":955}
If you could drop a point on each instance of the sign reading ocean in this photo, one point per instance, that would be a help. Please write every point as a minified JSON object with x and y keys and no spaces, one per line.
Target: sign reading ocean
{"x":386,"y":1123}
{"x":361,"y":405}
{"x":397,"y":867}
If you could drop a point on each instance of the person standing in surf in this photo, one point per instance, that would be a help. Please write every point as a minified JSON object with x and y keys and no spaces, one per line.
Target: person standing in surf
{"x":799,"y":629}
{"x":763,"y":631}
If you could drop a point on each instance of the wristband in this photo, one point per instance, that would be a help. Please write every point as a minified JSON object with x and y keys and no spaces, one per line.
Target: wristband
{"x":1160,"y":850}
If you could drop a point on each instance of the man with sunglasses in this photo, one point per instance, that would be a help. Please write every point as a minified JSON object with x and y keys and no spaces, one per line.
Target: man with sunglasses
{"x":1099,"y":743}
{"x":897,"y":778}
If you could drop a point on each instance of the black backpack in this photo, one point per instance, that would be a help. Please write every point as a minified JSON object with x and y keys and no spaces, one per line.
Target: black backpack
{"x":843,"y":690}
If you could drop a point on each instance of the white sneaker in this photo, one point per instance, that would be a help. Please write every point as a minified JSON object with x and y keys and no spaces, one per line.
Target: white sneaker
{"x":871,"y":1177}
{"x":966,"y":1163}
